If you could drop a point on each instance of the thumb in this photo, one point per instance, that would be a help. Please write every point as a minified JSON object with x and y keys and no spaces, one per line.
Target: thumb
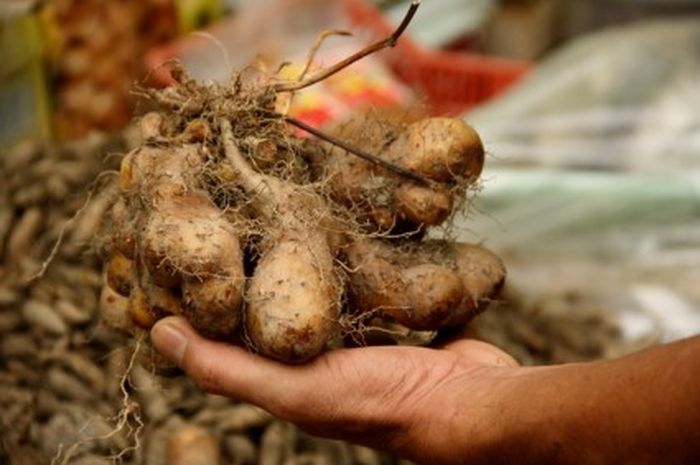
{"x":293,"y":392}
{"x":171,"y":336}
{"x":218,"y":367}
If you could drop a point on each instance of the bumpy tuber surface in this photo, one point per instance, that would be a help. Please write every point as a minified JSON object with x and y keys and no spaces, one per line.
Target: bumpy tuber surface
{"x":186,"y":257}
{"x":445,"y":151}
{"x":424,"y":288}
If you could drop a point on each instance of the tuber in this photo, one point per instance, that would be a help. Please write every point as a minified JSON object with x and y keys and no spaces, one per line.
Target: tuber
{"x":446,"y":151}
{"x":424,"y":288}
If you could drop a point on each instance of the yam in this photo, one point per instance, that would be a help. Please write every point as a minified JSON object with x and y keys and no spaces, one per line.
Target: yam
{"x":293,"y":301}
{"x":423,"y":291}
{"x":443,"y":149}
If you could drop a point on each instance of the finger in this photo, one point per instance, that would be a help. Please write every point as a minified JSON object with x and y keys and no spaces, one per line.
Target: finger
{"x":229,"y":370}
{"x":481,"y":353}
{"x":304,"y":394}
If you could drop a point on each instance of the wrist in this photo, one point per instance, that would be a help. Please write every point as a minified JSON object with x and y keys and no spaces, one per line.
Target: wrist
{"x":638,"y":409}
{"x":523,"y":416}
{"x":485,"y":415}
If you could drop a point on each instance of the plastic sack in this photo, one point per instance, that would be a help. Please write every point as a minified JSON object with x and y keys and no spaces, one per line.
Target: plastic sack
{"x":592,"y":188}
{"x":627,"y":244}
{"x":623,"y":99}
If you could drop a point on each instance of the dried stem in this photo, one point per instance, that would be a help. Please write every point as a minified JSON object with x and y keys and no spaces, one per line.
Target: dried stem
{"x":359,"y":152}
{"x":310,"y":59}
{"x":317,"y":45}
{"x":390,"y":41}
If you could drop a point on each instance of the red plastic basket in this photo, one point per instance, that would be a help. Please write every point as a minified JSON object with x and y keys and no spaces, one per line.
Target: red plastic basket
{"x":450,"y":82}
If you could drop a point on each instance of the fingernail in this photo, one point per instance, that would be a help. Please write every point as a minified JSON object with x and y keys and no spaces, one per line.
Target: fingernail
{"x":169,"y":340}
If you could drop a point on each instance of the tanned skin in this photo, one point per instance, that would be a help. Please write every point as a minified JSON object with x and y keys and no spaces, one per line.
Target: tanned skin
{"x":467,"y":402}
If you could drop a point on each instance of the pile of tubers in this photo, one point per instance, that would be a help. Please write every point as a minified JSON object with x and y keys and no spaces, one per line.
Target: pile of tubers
{"x":259,"y":234}
{"x":97,"y":49}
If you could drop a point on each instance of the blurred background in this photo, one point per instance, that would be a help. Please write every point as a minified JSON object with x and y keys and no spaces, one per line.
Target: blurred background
{"x":588,"y":110}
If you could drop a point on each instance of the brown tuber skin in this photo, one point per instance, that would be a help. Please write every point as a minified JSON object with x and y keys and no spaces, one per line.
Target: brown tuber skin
{"x":160,"y":301}
{"x":187,"y":244}
{"x":186,"y":257}
{"x":123,"y":239}
{"x":437,"y":293}
{"x":213,"y":304}
{"x":423,"y":205}
{"x":445,"y":150}
{"x":483,"y":275}
{"x":140,"y":312}
{"x":446,"y":288}
{"x":193,"y":445}
{"x":184,"y":244}
{"x":442,"y":149}
{"x":120,"y":273}
{"x":293,"y":300}
{"x":114,"y":310}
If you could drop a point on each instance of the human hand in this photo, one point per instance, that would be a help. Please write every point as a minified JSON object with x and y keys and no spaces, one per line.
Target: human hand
{"x":431,"y":405}
{"x":467,"y":402}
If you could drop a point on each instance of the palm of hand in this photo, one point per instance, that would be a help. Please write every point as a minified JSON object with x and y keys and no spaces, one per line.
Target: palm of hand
{"x":394,"y":398}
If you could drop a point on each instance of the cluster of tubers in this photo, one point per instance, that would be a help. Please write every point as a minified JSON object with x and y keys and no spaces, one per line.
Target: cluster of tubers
{"x":283,"y":242}
{"x":283,"y":258}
